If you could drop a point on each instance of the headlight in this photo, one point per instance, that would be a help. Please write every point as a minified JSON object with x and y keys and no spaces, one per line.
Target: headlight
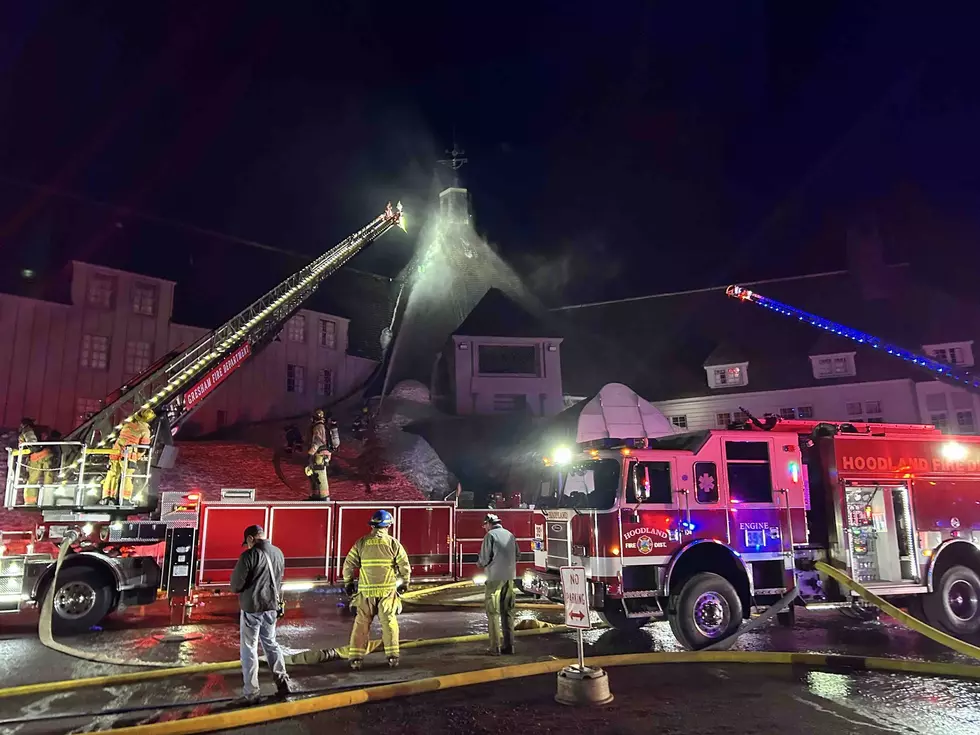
{"x":480,"y":579}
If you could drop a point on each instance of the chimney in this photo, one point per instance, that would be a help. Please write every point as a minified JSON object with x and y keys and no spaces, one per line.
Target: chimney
{"x":866,"y":261}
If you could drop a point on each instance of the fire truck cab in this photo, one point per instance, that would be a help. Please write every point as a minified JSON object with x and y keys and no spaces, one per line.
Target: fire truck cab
{"x":701,"y":528}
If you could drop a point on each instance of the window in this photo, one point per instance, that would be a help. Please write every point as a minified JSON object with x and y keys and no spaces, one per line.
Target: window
{"x":740,"y":417}
{"x":854,"y":408}
{"x":95,"y":352}
{"x":833,"y":366}
{"x":138,"y":356}
{"x":324,"y":383}
{"x":510,"y":403}
{"x":294,"y":378}
{"x":679,"y":421}
{"x":508,"y":360}
{"x":649,"y":482}
{"x":787,"y":413}
{"x":749,"y":477}
{"x":797,"y":412}
{"x":328,"y":333}
{"x":940,"y":421}
{"x":296,"y":329}
{"x":101,"y":291}
{"x":965,"y":423}
{"x":952,"y":353}
{"x":723,"y":420}
{"x":87,"y":407}
{"x":728,"y":376}
{"x":144,"y":299}
{"x":706,"y":482}
{"x":804,"y":412}
{"x":872,"y":407}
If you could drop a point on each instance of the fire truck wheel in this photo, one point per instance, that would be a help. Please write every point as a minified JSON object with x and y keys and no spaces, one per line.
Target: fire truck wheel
{"x":83,"y":598}
{"x":708,"y":609}
{"x":954,"y":603}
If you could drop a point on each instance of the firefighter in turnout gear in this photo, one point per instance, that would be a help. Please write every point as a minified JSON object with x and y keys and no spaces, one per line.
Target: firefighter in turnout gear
{"x":498,"y":560}
{"x":39,"y":461}
{"x":384,"y":569}
{"x":135,"y":437}
{"x":322,"y":446}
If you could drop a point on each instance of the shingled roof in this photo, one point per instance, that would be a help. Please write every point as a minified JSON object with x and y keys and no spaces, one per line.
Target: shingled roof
{"x":497,"y":315}
{"x":659,"y":345}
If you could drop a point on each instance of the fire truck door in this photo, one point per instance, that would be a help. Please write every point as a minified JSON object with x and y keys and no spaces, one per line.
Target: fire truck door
{"x":759,"y":519}
{"x":221,"y":539}
{"x":426,"y":532}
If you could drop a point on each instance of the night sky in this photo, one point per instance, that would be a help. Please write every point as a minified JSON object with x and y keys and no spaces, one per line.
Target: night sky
{"x":615,"y":148}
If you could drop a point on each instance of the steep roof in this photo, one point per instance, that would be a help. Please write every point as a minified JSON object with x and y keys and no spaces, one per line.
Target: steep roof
{"x":497,"y":315}
{"x":660,"y":345}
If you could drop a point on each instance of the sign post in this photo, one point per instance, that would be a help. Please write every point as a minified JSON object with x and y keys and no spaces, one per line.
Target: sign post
{"x":578,"y":685}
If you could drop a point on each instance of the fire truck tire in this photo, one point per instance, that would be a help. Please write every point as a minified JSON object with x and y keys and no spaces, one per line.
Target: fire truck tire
{"x":707,"y":610}
{"x":954,"y":603}
{"x":84,"y":596}
{"x":614,"y":616}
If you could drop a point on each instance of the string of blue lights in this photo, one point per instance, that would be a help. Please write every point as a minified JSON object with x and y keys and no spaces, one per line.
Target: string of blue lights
{"x":939,"y":370}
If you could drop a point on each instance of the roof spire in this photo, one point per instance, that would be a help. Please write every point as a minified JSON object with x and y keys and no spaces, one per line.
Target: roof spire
{"x":455,"y":160}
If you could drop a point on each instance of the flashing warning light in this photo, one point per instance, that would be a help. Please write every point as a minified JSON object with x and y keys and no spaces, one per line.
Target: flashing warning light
{"x":562,"y":455}
{"x":594,"y":453}
{"x":940,"y":370}
{"x":954,"y":451}
{"x":794,"y":471}
{"x":192,"y":497}
{"x":626,"y":451}
{"x":614,"y":550}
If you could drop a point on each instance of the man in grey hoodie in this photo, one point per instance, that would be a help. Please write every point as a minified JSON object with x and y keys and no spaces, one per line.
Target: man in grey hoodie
{"x":498,"y":559}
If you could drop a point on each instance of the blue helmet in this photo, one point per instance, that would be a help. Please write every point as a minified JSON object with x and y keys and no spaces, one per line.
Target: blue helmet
{"x":381,"y":519}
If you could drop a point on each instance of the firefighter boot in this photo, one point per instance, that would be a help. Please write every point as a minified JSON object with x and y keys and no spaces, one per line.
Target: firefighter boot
{"x":355,"y":664}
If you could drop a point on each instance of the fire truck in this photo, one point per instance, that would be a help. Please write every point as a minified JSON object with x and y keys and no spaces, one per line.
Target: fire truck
{"x":120,"y":543}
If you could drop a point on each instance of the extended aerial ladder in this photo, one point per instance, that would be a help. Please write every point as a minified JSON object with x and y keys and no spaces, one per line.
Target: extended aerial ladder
{"x":176,"y":389}
{"x":941,"y":371}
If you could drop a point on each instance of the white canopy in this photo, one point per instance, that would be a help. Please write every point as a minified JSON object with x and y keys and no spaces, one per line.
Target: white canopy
{"x":616,"y":412}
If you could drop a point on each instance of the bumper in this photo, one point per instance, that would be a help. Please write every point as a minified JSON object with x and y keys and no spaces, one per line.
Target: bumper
{"x":542,"y":584}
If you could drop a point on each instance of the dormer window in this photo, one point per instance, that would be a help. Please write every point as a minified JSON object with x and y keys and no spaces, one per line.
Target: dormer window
{"x":952,"y":353}
{"x":840,"y":365}
{"x":728,"y":376}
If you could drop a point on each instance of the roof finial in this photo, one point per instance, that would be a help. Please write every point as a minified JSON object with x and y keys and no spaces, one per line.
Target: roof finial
{"x":455,"y":160}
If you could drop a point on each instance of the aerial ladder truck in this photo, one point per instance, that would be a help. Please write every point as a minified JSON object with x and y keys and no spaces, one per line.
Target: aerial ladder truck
{"x":127,"y":546}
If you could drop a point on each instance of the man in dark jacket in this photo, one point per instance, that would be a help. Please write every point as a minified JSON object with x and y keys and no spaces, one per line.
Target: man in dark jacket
{"x":257,"y":578}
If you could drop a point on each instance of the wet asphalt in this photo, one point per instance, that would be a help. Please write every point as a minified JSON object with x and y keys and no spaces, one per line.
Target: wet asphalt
{"x":673,"y":699}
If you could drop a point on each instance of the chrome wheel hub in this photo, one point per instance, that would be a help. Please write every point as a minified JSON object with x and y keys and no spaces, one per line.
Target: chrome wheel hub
{"x":74,"y":600}
{"x":710,"y":613}
{"x":962,"y":600}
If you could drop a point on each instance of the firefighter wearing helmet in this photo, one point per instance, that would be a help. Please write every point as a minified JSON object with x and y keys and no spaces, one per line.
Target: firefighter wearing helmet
{"x":498,"y":560}
{"x":38,"y":460}
{"x":384,"y":570}
{"x":129,"y":447}
{"x":322,"y":446}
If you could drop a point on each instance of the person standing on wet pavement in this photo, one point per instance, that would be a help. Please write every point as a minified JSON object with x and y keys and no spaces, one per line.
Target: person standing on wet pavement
{"x":257,"y":578}
{"x":498,"y":560}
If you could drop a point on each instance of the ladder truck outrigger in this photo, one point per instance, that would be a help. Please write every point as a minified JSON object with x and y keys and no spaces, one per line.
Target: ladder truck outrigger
{"x":702,"y":527}
{"x":127,"y":546}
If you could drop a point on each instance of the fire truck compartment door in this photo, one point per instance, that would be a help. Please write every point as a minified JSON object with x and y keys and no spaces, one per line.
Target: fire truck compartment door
{"x":221,"y":539}
{"x":302,"y":533}
{"x":352,"y":523}
{"x":426,"y":532}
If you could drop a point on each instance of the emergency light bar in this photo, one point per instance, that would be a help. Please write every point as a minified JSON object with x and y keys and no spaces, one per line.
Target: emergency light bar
{"x":939,"y":370}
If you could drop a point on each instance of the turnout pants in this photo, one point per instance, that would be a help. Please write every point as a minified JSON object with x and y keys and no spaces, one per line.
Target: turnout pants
{"x":110,"y":485}
{"x":386,"y":608}
{"x":319,"y":485}
{"x":38,"y":473}
{"x":501,"y":600}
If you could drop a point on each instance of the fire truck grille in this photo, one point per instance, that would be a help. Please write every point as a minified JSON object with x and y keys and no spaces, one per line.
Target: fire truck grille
{"x":557,"y":553}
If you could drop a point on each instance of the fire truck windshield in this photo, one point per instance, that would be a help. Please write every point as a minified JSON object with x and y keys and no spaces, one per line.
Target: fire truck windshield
{"x":590,"y":485}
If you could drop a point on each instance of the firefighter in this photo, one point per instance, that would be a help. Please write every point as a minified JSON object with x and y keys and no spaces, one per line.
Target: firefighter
{"x":498,"y":560}
{"x":39,"y":461}
{"x":135,"y":435}
{"x":384,"y":570}
{"x":321,"y":449}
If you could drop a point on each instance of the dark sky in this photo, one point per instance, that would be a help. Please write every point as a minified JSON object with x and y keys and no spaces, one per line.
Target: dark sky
{"x":615,"y":148}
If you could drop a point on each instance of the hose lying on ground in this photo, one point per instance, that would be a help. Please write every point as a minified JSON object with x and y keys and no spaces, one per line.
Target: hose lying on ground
{"x":777,"y":607}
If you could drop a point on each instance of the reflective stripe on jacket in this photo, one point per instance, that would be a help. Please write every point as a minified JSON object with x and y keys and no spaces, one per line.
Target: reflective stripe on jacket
{"x":381,"y":560}
{"x":134,"y":433}
{"x":38,"y":453}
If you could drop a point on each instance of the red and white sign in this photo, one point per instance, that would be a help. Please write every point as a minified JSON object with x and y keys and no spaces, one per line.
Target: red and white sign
{"x":214,"y":378}
{"x":575,"y":593}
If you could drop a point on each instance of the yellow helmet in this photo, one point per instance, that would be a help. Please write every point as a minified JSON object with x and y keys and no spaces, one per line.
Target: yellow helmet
{"x":146,"y":415}
{"x":318,"y":415}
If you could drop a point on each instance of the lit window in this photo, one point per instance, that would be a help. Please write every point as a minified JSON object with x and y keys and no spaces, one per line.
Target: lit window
{"x":294,"y":378}
{"x":101,"y":290}
{"x":95,"y":352}
{"x":804,"y":412}
{"x":328,"y":333}
{"x":727,"y":376}
{"x":679,"y":421}
{"x":144,"y":299}
{"x":855,"y":408}
{"x":87,"y":407}
{"x":722,"y":420}
{"x":324,"y":383}
{"x":138,"y":356}
{"x":965,"y":423}
{"x":833,"y":366}
{"x":296,"y":329}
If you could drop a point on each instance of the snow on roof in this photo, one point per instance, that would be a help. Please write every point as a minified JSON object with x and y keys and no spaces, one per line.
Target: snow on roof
{"x":616,"y":412}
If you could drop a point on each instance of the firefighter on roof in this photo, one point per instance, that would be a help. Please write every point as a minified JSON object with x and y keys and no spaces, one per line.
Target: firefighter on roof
{"x":38,"y":460}
{"x":384,"y":568}
{"x":322,"y":446}
{"x":134,"y":436}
